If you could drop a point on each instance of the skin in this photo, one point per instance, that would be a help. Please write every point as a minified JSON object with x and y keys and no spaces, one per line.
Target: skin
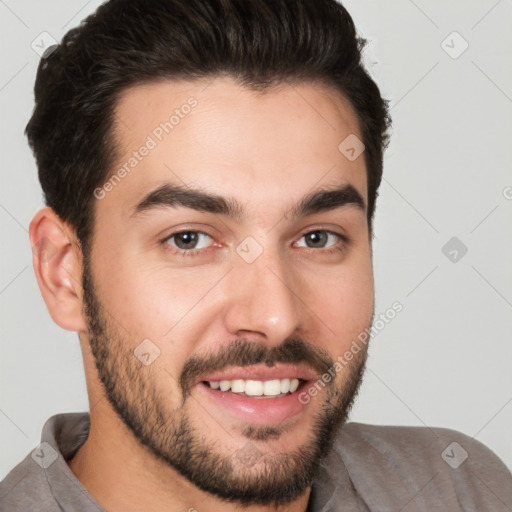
{"x":267,"y":151}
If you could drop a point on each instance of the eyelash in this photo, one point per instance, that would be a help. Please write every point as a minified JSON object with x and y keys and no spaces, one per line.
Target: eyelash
{"x":190,"y":253}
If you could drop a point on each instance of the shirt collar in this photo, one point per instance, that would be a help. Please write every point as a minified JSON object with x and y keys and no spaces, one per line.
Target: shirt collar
{"x":332,"y":489}
{"x":65,"y":433}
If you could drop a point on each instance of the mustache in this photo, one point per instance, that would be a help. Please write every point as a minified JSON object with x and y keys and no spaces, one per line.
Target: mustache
{"x":241,"y":352}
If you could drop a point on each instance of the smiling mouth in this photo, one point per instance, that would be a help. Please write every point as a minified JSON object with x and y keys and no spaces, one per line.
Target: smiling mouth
{"x":257,"y":394}
{"x":275,"y":388}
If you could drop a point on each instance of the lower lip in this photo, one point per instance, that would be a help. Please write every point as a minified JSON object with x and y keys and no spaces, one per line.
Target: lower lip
{"x":256,"y":410}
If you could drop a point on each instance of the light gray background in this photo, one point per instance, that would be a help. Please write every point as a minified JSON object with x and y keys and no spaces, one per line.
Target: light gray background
{"x":445,"y":360}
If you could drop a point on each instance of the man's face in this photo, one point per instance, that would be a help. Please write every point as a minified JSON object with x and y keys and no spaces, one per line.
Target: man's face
{"x":259,"y":289}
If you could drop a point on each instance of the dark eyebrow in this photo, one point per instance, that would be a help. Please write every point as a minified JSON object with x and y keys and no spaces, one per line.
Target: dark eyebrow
{"x":168,"y":195}
{"x":325,"y":200}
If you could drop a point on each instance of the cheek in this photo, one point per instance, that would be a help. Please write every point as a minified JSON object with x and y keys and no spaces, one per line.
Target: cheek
{"x":142,"y":304}
{"x":155,"y":302}
{"x":345,"y":304}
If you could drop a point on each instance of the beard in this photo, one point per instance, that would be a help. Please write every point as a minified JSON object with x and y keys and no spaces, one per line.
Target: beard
{"x":169,"y":434}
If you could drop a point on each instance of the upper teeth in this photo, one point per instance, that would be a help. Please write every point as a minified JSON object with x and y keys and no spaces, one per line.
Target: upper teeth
{"x":257,"y":387}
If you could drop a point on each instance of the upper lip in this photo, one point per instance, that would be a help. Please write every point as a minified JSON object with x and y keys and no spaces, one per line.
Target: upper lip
{"x":261,"y":372}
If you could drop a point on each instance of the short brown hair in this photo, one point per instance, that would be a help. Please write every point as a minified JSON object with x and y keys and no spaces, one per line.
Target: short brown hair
{"x":258,"y":42}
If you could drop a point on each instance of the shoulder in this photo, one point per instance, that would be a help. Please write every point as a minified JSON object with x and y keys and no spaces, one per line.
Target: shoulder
{"x":43,"y":481}
{"x":435,"y":443}
{"x":26,"y":488}
{"x":433,"y":466}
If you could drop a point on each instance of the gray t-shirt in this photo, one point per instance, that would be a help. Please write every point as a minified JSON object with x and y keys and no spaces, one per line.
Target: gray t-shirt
{"x":370,"y":468}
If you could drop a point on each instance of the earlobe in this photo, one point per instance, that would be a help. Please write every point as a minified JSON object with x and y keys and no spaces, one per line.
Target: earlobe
{"x":58,"y":267}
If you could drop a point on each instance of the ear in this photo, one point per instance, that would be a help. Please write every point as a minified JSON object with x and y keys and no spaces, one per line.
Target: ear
{"x":57,"y":260}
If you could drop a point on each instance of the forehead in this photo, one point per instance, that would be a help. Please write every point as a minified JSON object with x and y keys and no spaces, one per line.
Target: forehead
{"x":229,"y":140}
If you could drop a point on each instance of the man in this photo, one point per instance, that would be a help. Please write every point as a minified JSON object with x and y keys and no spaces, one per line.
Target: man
{"x":211,"y":169}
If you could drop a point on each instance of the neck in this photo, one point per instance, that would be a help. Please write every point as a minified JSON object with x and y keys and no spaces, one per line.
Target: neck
{"x":122,"y":475}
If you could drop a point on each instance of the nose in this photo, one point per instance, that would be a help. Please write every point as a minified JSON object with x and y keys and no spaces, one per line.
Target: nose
{"x":264,"y":303}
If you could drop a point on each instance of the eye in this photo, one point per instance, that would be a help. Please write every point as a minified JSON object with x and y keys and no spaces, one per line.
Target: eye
{"x":320,"y":239}
{"x":188,"y":240}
